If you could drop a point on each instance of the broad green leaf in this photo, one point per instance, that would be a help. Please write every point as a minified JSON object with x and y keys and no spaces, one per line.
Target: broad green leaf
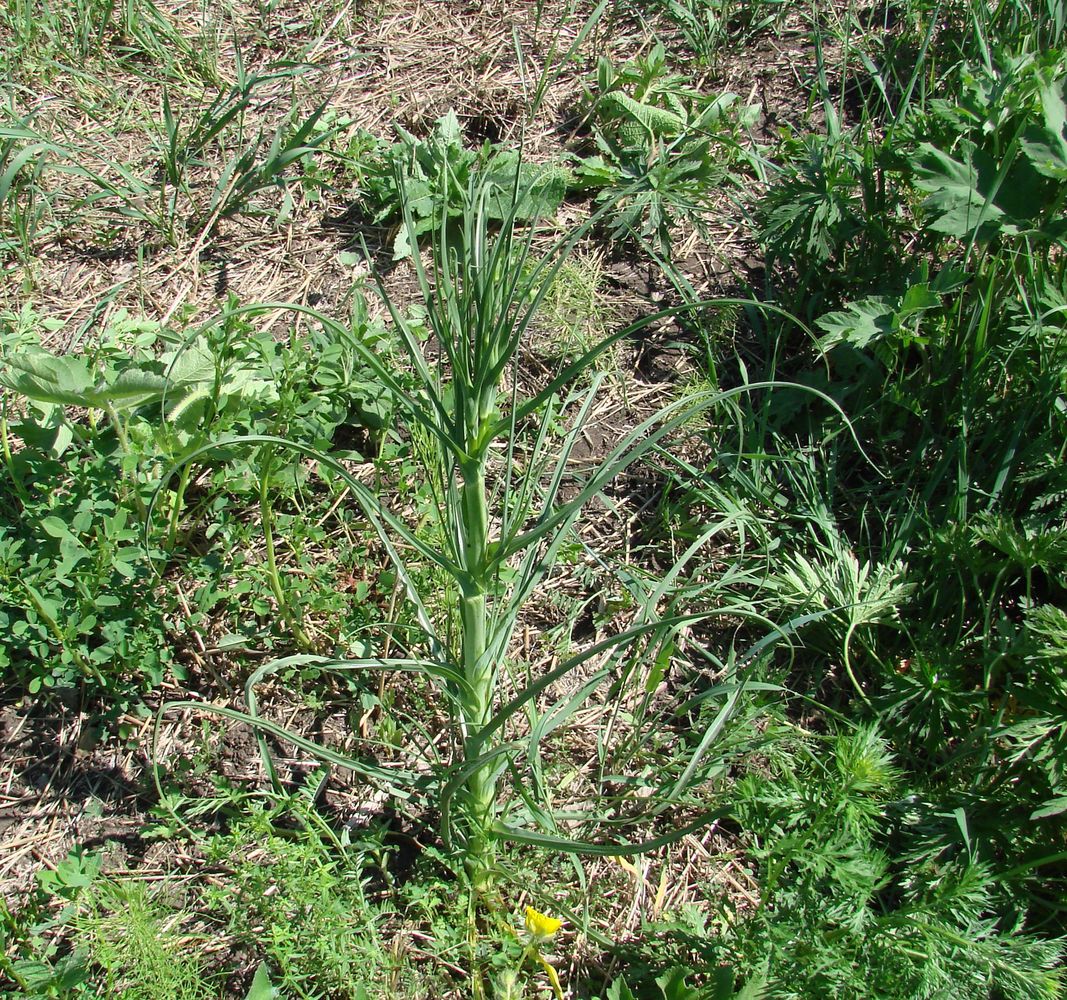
{"x":960,"y":192}
{"x":859,"y":324}
{"x":233,"y":640}
{"x":918,"y":298}
{"x":658,"y":121}
{"x":876,"y":318}
{"x":62,"y":439}
{"x":54,"y":526}
{"x":44,"y":605}
{"x":541,"y":187}
{"x":194,"y":365}
{"x":46,"y":378}
{"x":1047,"y":153}
{"x":448,"y":130}
{"x":262,"y":988}
{"x":1046,"y":147}
{"x":402,"y":244}
{"x":130,"y":389}
{"x":66,"y":380}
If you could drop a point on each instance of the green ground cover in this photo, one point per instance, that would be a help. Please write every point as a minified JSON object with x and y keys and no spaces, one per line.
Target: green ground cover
{"x":542,"y":500}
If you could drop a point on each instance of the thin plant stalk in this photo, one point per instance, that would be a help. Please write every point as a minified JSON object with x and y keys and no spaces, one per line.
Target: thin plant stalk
{"x":5,"y":443}
{"x":266,"y":514}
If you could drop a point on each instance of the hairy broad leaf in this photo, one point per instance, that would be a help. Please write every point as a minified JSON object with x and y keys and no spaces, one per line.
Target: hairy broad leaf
{"x":877,"y":321}
{"x":859,"y":323}
{"x":46,"y":378}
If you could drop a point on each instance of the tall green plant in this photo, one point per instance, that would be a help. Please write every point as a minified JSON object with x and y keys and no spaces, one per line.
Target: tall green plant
{"x":499,"y":518}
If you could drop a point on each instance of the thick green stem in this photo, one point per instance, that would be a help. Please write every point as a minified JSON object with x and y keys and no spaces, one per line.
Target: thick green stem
{"x":479,"y":672}
{"x":477,"y":707}
{"x":179,"y":503}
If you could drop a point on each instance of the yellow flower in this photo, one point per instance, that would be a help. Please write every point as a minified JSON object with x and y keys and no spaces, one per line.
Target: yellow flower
{"x":540,"y":926}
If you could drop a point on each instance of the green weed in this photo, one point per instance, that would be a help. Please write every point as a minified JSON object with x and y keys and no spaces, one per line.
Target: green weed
{"x":664,"y":149}
{"x":710,"y":27}
{"x":122,"y":940}
{"x":77,"y":576}
{"x":845,"y":640}
{"x":425,"y":178}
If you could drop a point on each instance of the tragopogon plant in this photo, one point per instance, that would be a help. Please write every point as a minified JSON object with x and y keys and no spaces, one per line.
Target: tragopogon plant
{"x":496,"y":476}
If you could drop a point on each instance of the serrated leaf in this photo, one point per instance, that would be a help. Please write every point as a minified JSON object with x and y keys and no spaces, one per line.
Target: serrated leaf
{"x":594,"y":172}
{"x":262,"y":988}
{"x":1047,"y":153}
{"x":918,"y":298}
{"x":674,"y":987}
{"x":754,"y":989}
{"x":859,"y":324}
{"x":401,"y":244}
{"x":959,"y":191}
{"x":541,"y":188}
{"x":1053,"y":807}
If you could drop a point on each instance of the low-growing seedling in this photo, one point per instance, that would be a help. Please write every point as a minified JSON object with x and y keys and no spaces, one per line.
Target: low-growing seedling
{"x":427,"y":177}
{"x":664,"y":149}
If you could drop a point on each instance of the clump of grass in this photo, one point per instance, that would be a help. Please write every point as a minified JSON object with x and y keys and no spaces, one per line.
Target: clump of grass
{"x":577,"y":313}
{"x":136,"y":947}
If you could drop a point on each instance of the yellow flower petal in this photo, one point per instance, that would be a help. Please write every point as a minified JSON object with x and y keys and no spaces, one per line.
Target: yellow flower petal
{"x":541,"y":926}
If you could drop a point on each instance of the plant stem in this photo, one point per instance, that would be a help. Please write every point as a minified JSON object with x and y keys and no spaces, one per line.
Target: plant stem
{"x":178,"y":504}
{"x":480,"y":674}
{"x":127,"y":453}
{"x":80,"y":661}
{"x":266,"y":515}
{"x":16,"y":480}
